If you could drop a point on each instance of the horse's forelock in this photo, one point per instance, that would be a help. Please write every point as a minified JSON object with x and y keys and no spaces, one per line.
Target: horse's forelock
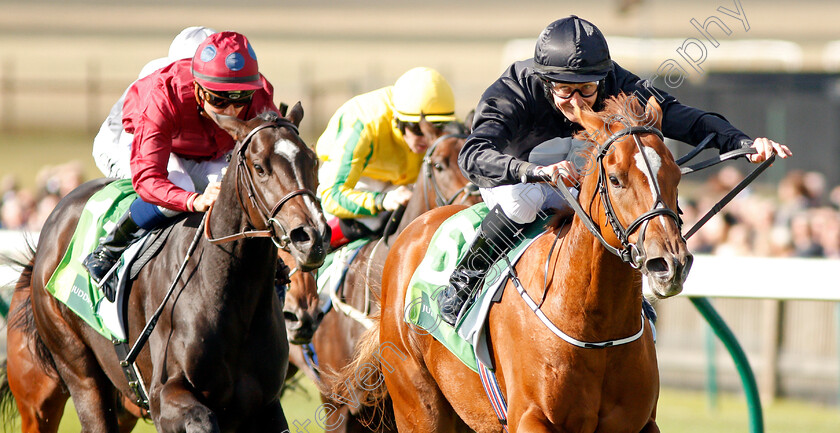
{"x":269,"y":115}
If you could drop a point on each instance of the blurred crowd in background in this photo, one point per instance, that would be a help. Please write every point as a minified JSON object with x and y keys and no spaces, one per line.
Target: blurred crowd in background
{"x":28,"y":208}
{"x":800,"y":219}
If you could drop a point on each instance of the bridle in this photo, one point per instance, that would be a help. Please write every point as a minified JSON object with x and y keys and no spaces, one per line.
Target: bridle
{"x":468,"y":190}
{"x":631,"y":253}
{"x":274,"y":229}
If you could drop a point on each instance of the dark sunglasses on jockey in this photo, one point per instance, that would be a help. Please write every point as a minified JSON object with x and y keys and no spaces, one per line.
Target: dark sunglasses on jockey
{"x":566,"y":91}
{"x":220,"y":100}
{"x":414,"y":127}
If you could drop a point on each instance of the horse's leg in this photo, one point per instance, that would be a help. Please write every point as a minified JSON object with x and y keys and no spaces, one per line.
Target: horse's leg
{"x":128,"y":415}
{"x":40,"y":396}
{"x":270,"y":419}
{"x":419,"y":406}
{"x":182,"y":412}
{"x":93,"y":394}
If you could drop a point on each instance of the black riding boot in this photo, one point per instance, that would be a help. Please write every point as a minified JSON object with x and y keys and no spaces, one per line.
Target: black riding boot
{"x":105,"y":256}
{"x":496,"y":236}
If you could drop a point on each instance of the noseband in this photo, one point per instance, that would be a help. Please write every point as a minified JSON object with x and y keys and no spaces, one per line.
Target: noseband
{"x":275,"y":230}
{"x":469,"y":190}
{"x":631,"y":253}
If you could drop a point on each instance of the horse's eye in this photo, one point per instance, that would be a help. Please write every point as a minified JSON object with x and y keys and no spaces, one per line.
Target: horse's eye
{"x":439,"y":166}
{"x":614,"y":181}
{"x":258,"y":168}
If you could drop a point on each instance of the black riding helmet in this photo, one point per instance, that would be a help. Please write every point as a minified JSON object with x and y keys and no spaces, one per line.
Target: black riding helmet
{"x":572,"y":50}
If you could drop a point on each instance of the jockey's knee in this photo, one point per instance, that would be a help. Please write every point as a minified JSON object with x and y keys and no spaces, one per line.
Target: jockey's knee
{"x":149,"y":216}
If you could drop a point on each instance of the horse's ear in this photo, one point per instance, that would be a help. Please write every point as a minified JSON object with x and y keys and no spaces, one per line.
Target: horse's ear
{"x":235,"y":127}
{"x":590,"y":120}
{"x":653,"y":113}
{"x":296,"y":114}
{"x":468,"y":121}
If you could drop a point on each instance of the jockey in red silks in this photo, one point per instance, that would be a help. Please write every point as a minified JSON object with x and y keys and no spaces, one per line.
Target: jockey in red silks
{"x":177,"y":152}
{"x":112,"y":148}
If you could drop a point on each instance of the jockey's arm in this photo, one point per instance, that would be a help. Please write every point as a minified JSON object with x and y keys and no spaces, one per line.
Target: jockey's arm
{"x":338,"y":177}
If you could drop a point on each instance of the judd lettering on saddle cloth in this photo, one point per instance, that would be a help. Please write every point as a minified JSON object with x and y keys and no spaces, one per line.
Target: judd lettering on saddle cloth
{"x":449,"y":243}
{"x":71,"y":283}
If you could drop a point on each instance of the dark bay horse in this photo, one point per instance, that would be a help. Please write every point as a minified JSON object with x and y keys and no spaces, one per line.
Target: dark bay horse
{"x":217,"y":358}
{"x":440,"y":182}
{"x":549,"y":378}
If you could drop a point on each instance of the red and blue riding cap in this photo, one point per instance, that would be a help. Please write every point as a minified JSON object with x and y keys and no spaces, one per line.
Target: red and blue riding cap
{"x":226,"y":62}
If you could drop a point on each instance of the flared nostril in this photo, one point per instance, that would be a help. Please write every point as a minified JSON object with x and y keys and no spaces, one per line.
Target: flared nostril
{"x":301,"y":235}
{"x":656,"y":265}
{"x":290,"y":317}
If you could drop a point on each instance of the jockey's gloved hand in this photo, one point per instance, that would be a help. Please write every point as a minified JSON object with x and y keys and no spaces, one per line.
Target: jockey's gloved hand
{"x":396,"y":198}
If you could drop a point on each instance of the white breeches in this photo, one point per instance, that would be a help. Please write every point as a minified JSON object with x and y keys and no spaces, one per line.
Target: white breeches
{"x":523,"y":202}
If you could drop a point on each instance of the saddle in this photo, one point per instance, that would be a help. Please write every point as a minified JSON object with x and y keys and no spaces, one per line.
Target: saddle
{"x":70,"y":282}
{"x":450,"y":242}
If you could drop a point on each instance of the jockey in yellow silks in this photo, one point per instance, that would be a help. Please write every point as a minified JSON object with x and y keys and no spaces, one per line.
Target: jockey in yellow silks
{"x":372,"y":149}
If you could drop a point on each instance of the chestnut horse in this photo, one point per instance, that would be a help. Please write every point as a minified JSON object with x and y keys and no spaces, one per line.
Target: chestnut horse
{"x":217,"y":357}
{"x":551,"y":379}
{"x":440,"y":182}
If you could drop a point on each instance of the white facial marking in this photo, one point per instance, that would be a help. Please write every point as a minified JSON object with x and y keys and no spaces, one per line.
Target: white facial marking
{"x":655,"y":164}
{"x":286,"y":148}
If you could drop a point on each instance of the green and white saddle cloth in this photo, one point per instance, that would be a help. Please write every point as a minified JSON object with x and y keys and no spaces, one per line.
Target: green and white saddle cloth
{"x":449,"y":243}
{"x":71,"y":283}
{"x":330,"y":276}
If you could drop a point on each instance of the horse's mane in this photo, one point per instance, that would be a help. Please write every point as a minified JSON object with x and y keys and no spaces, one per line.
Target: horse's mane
{"x":455,"y":128}
{"x":620,"y":108}
{"x":269,"y":115}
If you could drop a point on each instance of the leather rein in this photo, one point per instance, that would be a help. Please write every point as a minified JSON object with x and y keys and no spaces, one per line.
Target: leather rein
{"x":274,"y":229}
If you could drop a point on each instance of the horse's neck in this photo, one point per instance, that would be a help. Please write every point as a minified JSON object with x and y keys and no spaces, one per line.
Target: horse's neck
{"x":593,"y":283}
{"x":243,"y":257}
{"x":421,"y":201}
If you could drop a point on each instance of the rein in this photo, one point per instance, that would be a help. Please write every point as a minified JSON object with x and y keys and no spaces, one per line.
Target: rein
{"x":629,"y":253}
{"x":281,"y":238}
{"x":744,"y":151}
{"x":468,"y":190}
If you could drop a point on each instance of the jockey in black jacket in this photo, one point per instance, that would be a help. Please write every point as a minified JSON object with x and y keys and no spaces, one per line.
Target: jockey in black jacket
{"x":532,"y":103}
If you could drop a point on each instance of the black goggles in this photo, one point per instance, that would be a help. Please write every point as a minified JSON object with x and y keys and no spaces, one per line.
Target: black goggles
{"x":414,"y":127}
{"x":223,"y":99}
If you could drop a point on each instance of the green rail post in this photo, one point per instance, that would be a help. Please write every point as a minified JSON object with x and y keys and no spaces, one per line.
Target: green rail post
{"x":711,"y":369}
{"x":4,"y":307}
{"x":728,"y":339}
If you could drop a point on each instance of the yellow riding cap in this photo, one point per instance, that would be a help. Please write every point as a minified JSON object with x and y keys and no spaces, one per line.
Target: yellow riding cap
{"x":361,"y":140}
{"x":423,"y":90}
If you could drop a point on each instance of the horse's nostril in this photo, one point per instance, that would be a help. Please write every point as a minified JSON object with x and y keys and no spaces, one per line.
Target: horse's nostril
{"x":319,"y":316}
{"x":657,"y":265}
{"x":300,"y":235}
{"x":289,"y":316}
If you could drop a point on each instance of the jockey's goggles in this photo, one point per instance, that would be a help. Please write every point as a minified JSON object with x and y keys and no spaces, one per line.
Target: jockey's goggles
{"x":414,"y":127}
{"x":223,"y":99}
{"x":567,"y":90}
